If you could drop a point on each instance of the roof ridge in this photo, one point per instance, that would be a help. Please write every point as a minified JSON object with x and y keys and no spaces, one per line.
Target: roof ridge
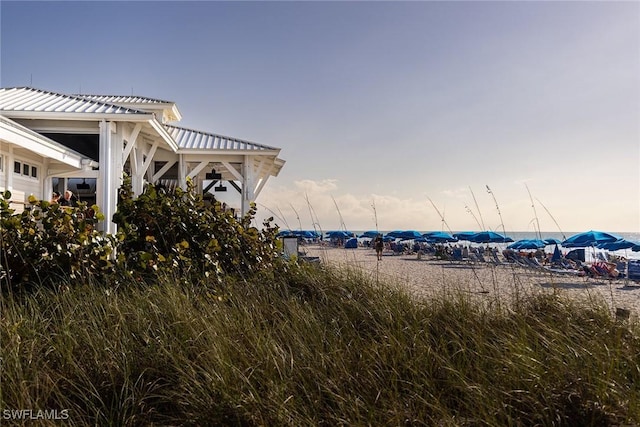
{"x":90,"y":96}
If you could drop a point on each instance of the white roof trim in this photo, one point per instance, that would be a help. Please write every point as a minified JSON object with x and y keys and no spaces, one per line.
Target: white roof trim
{"x":162,"y":131}
{"x":15,"y":133}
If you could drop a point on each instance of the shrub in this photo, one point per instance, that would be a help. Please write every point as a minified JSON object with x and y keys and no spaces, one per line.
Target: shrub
{"x":174,"y":233}
{"x":178,"y":232}
{"x":48,"y":241}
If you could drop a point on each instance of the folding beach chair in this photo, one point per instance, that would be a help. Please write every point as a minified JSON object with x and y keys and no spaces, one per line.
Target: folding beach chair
{"x":633,"y":270}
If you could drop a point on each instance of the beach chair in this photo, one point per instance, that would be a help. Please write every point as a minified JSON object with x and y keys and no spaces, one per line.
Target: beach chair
{"x":633,"y":270}
{"x":481,"y":258}
{"x":521,"y":261}
{"x":621,"y":266}
{"x":496,"y":260}
{"x":602,"y":270}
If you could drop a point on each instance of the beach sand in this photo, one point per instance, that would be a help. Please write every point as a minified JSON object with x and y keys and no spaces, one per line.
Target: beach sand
{"x":427,"y":276}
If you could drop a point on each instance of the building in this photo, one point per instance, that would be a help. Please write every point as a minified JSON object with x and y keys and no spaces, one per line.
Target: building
{"x":51,"y":141}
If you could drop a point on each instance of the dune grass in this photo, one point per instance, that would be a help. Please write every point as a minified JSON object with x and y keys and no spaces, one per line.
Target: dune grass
{"x":315,"y":346}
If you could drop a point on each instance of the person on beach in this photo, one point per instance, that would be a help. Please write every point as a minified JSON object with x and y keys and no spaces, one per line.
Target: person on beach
{"x":69,"y":199}
{"x":379,"y":245}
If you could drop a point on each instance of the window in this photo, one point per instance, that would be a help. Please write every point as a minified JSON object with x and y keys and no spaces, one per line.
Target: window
{"x":1,"y":163}
{"x":25,"y":169}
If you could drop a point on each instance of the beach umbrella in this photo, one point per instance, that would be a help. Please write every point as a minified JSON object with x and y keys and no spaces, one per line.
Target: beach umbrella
{"x":617,"y":245}
{"x":410,"y":234}
{"x":557,"y":255}
{"x":464,"y":235}
{"x":395,"y":233}
{"x":527,"y":244}
{"x":552,"y":241}
{"x":636,"y":248}
{"x":488,"y":237}
{"x":370,"y":233}
{"x":339,"y":234}
{"x":590,"y":238}
{"x":417,"y":239}
{"x":439,"y":237}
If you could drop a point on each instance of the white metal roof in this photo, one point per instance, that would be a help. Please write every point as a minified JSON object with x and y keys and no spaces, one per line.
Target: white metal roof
{"x":27,"y":102}
{"x":124,"y":99}
{"x":193,"y":140}
{"x":168,"y":107}
{"x":26,"y":99}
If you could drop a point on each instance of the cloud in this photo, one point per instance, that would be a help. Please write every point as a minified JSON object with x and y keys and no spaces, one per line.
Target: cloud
{"x":325,"y":205}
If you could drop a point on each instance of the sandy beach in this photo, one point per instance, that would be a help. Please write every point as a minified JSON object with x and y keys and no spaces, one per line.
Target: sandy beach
{"x":428,"y":276}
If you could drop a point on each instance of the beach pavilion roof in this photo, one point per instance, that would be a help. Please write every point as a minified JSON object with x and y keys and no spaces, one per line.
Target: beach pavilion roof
{"x":31,"y":103}
{"x":169,"y":109}
{"x":31,"y":100}
{"x":194,"y":140}
{"x":190,"y":141}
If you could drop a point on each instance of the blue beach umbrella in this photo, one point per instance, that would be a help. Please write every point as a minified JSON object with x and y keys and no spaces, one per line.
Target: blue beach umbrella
{"x":395,"y":233}
{"x":617,"y":245}
{"x":489,"y":237}
{"x":527,"y":244}
{"x":464,"y":235}
{"x":439,"y":237}
{"x":557,"y":255}
{"x":370,"y":233}
{"x":552,"y":241}
{"x":410,"y":234}
{"x":309,"y":234}
{"x":338,"y":234}
{"x":590,"y":238}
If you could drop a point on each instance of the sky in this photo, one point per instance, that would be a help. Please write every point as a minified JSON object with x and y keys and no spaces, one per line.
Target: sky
{"x":389,"y":115}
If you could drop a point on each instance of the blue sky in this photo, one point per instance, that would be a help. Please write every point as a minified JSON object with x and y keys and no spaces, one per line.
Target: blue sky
{"x":378,"y":107}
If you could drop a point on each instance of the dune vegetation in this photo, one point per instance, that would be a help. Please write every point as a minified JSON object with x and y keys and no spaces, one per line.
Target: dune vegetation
{"x":243,"y":337}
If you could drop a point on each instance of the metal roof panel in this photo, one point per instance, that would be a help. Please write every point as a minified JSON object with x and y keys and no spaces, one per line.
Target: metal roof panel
{"x":26,"y":99}
{"x":189,"y":139}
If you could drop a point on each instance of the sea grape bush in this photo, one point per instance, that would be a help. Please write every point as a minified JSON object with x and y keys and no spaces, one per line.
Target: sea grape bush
{"x":47,"y":241}
{"x":178,"y":232}
{"x":159,"y":232}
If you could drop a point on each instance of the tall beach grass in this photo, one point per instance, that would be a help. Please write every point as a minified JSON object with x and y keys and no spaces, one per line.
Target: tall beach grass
{"x":315,"y":346}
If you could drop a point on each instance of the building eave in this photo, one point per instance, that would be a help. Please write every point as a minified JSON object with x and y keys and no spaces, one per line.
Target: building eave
{"x":17,"y":134}
{"x":77,"y":116}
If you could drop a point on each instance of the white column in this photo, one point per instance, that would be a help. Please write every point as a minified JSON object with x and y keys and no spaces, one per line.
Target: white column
{"x":47,"y":186}
{"x":182,"y":172}
{"x":106,"y":192}
{"x":247,"y":184}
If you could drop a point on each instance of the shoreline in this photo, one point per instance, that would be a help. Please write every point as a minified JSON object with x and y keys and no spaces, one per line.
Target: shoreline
{"x":428,"y":277}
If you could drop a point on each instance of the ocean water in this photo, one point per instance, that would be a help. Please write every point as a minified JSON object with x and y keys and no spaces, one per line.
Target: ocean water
{"x":518,"y":235}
